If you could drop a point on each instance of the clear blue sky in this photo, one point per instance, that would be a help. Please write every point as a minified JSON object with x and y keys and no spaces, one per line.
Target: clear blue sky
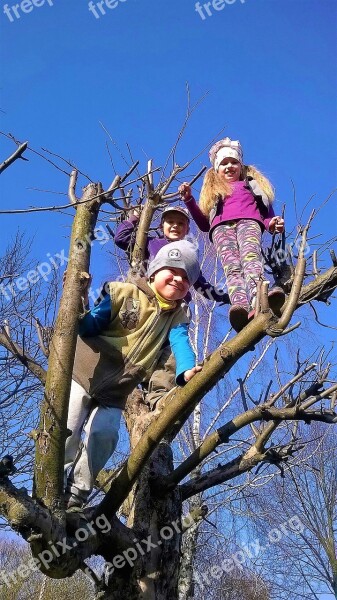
{"x":269,"y":65}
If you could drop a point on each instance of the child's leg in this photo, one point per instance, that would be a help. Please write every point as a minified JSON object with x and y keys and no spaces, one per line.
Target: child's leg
{"x":249,"y":239}
{"x":226,"y":244}
{"x":163,"y":378}
{"x":80,"y":404}
{"x":101,"y":437}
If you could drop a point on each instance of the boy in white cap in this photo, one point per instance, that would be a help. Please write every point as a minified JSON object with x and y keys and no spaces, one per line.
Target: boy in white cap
{"x":174,"y":225}
{"x":118,"y":347}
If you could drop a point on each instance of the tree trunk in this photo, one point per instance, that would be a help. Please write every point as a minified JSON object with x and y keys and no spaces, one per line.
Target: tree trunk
{"x":185,"y":584}
{"x":156,"y":553}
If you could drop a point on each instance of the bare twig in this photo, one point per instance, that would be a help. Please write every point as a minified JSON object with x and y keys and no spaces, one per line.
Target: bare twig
{"x":254,"y":429}
{"x":72,"y":186}
{"x":195,"y":178}
{"x":275,"y":397}
{"x":17,"y":154}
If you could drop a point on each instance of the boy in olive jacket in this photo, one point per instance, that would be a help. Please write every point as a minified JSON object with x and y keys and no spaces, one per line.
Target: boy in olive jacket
{"x":118,"y":347}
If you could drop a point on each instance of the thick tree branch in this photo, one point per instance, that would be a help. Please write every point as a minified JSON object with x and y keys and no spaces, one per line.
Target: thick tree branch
{"x":52,"y":433}
{"x":222,"y":435}
{"x":24,"y":514}
{"x":38,"y":526}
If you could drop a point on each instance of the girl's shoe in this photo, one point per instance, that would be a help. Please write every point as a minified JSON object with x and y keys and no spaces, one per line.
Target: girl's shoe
{"x":276,"y":298}
{"x":238,"y":317}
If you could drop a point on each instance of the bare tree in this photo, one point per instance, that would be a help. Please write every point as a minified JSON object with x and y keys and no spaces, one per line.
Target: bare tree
{"x":304,"y":564}
{"x":142,"y":500}
{"x":33,"y":585}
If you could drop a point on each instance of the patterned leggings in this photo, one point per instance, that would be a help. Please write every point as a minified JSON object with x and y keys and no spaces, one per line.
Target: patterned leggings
{"x":238,"y":244}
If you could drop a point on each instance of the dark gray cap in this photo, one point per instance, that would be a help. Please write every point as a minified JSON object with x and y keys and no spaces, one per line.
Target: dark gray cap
{"x":180,"y":255}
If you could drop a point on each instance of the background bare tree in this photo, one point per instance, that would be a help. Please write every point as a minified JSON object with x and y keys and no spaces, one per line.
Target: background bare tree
{"x":23,"y":351}
{"x":303,"y":565}
{"x":37,"y":586}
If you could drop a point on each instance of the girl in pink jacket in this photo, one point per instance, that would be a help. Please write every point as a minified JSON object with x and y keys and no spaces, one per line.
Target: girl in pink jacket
{"x":235,"y":208}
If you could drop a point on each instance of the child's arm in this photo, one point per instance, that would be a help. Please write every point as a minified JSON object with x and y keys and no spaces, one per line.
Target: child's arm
{"x":95,"y":321}
{"x":124,"y":232}
{"x":208,"y":290}
{"x":198,"y":216}
{"x":183,"y":353}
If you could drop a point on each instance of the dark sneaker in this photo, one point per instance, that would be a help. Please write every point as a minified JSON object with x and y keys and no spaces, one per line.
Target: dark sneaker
{"x":73,"y":502}
{"x":238,"y":317}
{"x":276,"y":298}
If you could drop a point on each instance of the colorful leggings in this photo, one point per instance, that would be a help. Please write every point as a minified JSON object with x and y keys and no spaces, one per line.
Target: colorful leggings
{"x":238,"y":244}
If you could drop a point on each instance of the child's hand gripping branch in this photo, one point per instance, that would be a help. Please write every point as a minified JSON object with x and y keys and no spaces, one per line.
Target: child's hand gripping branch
{"x":185,"y":191}
{"x":189,"y":374}
{"x":276,"y":225}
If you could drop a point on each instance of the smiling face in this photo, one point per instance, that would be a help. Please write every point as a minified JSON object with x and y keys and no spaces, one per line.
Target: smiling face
{"x":175,"y":226}
{"x":171,"y":283}
{"x":230,"y":169}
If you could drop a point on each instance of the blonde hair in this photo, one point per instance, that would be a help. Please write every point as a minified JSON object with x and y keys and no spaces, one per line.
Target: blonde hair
{"x":214,"y":186}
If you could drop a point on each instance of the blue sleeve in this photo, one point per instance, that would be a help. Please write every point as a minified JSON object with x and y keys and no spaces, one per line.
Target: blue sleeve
{"x":182,"y":350}
{"x":97,"y":319}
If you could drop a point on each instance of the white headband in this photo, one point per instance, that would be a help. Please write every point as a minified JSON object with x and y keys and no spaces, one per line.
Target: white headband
{"x":226,"y":148}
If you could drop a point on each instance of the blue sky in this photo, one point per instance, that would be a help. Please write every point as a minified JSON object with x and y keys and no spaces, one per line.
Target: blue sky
{"x":269,"y":66}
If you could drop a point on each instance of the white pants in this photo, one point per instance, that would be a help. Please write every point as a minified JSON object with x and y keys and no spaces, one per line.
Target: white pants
{"x":87,"y":457}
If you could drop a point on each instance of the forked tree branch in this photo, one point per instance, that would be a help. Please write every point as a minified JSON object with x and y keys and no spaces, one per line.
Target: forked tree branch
{"x":223,"y":435}
{"x":40,"y":528}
